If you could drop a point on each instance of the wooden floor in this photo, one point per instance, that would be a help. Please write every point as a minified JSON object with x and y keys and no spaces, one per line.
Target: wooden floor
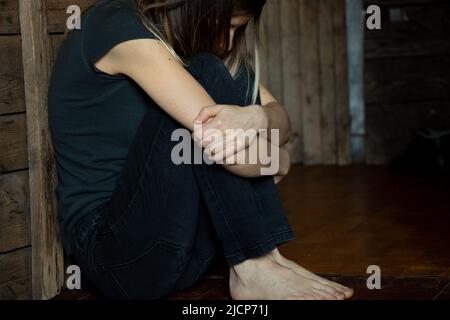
{"x":348,"y":218}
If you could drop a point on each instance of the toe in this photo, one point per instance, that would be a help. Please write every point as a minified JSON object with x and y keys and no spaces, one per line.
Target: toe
{"x":342,"y":289}
{"x":330,"y":290}
{"x":324,"y":294}
{"x":348,"y":294}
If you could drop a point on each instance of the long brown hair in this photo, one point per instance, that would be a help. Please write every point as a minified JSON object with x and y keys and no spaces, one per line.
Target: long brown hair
{"x":188,"y":27}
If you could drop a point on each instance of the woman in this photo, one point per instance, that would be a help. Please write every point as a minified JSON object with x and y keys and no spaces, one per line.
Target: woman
{"x":139,"y":225}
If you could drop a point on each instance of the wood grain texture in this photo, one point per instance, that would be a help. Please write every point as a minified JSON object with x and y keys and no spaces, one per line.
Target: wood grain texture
{"x":394,"y":3}
{"x":347,"y":218}
{"x":389,"y":128}
{"x":57,"y":12}
{"x":11,"y":75}
{"x":13,"y":143}
{"x":327,"y":82}
{"x":274,"y":53}
{"x":307,"y":48}
{"x":14,"y":275}
{"x":14,"y":211}
{"x":407,"y":74}
{"x":343,"y":128}
{"x":407,"y":79}
{"x":420,"y":33}
{"x":291,"y":82}
{"x":310,"y":82}
{"x":47,"y":253}
{"x":9,"y":17}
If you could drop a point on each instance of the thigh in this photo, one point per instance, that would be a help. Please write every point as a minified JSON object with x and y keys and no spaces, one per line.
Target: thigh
{"x":148,"y":227}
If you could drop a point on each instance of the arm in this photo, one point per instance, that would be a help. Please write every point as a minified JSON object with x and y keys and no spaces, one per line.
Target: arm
{"x":274,"y":117}
{"x":280,"y":163}
{"x":277,"y":116}
{"x":152,"y":67}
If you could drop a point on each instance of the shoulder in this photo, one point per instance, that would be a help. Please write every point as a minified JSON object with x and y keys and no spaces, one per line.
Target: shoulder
{"x":109,"y":23}
{"x":113,"y":12}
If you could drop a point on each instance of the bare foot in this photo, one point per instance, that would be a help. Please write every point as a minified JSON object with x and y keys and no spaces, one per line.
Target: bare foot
{"x":276,"y":255}
{"x":266,"y":279}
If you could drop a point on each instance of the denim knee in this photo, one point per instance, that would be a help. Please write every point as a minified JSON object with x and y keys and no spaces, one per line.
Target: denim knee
{"x":213,"y":75}
{"x":207,"y":64}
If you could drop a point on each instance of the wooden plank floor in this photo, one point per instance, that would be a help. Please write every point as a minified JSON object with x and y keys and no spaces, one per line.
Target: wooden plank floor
{"x":348,"y":218}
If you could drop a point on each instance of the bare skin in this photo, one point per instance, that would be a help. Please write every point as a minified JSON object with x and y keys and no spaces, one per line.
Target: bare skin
{"x":152,"y":67}
{"x":273,"y":277}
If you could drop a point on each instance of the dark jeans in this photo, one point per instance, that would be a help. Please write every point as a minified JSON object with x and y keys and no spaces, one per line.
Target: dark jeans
{"x":165,"y":222}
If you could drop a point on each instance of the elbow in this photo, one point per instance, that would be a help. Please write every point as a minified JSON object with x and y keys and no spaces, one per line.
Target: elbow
{"x":288,"y":134}
{"x":285,"y":163}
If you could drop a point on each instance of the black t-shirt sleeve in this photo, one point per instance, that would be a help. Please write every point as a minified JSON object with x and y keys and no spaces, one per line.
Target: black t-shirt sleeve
{"x":110,"y":24}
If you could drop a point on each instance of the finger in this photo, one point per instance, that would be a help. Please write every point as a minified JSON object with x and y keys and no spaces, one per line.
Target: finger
{"x":228,"y":152}
{"x":215,"y":147}
{"x":232,"y":148}
{"x":194,"y":137}
{"x":201,"y":130}
{"x":220,"y":158}
{"x":212,"y":136}
{"x":207,"y":112}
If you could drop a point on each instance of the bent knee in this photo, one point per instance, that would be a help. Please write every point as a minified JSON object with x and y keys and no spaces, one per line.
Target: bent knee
{"x":213,"y":75}
{"x":208,"y":62}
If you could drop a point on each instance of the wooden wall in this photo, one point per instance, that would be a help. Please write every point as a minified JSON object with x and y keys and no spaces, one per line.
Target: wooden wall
{"x":407,"y":74}
{"x":305,"y":67}
{"x":14,"y":208}
{"x":15,"y":221}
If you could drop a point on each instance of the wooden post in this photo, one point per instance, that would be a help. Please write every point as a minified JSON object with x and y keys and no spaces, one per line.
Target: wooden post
{"x":310,"y":82}
{"x":341,"y":80}
{"x":289,"y":65}
{"x":47,"y":254}
{"x":327,"y":82}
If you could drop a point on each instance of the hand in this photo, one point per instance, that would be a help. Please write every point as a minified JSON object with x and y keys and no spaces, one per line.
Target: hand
{"x":224,"y":130}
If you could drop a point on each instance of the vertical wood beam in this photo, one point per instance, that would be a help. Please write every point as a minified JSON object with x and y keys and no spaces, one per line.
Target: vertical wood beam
{"x":273,"y":49}
{"x":327,"y":82}
{"x":47,"y":253}
{"x":310,"y":82}
{"x":342,"y":85}
{"x":290,"y":67}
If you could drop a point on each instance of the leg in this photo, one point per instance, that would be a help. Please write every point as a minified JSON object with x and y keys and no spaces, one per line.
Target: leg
{"x":145,"y":237}
{"x":153,"y":237}
{"x":251,"y":209}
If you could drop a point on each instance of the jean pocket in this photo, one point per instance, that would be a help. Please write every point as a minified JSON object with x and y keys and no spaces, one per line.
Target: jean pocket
{"x":150,"y":275}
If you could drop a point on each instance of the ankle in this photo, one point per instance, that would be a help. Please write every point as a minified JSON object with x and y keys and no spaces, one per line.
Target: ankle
{"x":250,"y":266}
{"x":276,"y":255}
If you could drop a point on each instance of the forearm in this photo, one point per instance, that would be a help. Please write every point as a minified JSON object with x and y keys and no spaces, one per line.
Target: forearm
{"x":249,"y":164}
{"x":278,"y":119}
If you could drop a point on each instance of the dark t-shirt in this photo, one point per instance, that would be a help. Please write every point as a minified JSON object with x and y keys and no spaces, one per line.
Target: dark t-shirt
{"x":93,"y":116}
